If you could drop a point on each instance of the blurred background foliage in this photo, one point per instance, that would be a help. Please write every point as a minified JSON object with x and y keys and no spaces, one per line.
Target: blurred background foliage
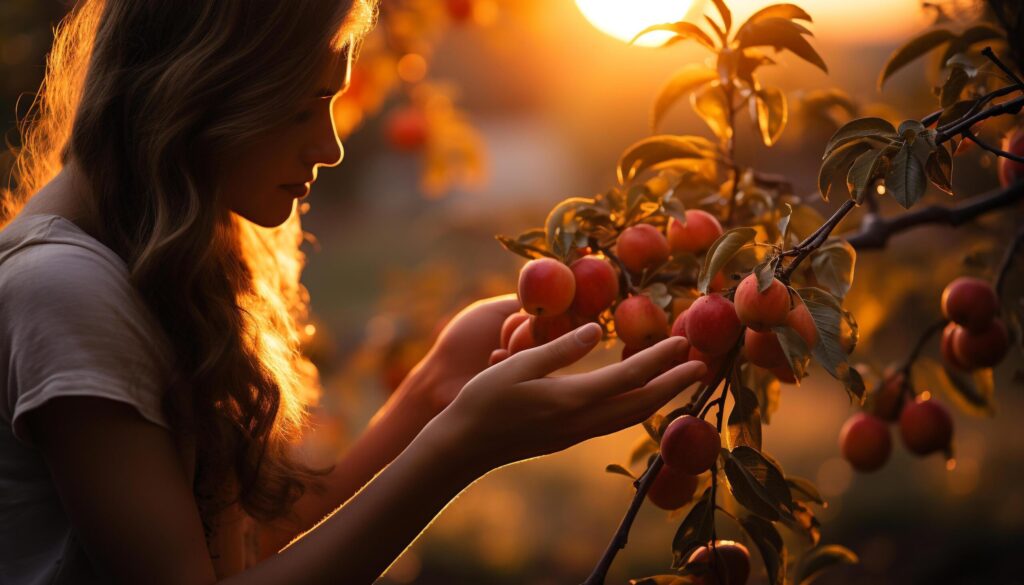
{"x":522,"y":103}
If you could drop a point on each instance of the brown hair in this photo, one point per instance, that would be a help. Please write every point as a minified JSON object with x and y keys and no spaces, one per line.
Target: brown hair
{"x":142,"y":94}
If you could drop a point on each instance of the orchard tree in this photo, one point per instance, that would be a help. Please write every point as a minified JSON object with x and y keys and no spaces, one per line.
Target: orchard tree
{"x":692,"y":241}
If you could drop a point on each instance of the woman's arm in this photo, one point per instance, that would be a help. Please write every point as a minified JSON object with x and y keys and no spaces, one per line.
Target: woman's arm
{"x":126,"y":494}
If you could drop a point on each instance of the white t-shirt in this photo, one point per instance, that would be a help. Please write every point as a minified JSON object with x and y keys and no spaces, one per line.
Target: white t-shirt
{"x":71,"y":323}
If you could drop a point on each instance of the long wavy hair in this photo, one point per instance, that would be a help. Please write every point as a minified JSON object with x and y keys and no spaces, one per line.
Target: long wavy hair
{"x":142,"y":94}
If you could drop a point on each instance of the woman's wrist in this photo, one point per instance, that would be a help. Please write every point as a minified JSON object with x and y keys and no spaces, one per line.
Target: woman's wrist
{"x":450,"y":437}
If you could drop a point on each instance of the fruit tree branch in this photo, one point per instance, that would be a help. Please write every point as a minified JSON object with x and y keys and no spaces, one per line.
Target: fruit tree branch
{"x":876,"y":231}
{"x":815,"y":240}
{"x":997,"y":151}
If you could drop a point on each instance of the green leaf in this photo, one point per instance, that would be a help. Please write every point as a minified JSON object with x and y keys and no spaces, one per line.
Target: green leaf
{"x":803,"y":489}
{"x":643,"y":447}
{"x":939,"y":169}
{"x":905,"y":180}
{"x":653,"y":426}
{"x":725,"y":13}
{"x":771,"y":114}
{"x":786,"y":11}
{"x":620,"y":470}
{"x":765,"y":273}
{"x":559,"y":226}
{"x":821,"y":558}
{"x":913,"y":49}
{"x":745,"y":418}
{"x":953,"y":86}
{"x":780,"y":34}
{"x":695,"y":531}
{"x":765,"y":386}
{"x":874,"y":128}
{"x":682,"y":82}
{"x":795,"y":348}
{"x":826,"y":312}
{"x":757,"y":484}
{"x":712,"y":105}
{"x":769,"y":544}
{"x":661,"y":580}
{"x":785,"y":214}
{"x":684,"y":30}
{"x":975,"y":34}
{"x":521,"y":249}
{"x":863,"y":173}
{"x":650,"y":151}
{"x":835,"y":169}
{"x":833,"y":266}
{"x":720,"y":252}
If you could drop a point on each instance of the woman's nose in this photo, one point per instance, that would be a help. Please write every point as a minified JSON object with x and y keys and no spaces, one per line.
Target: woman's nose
{"x":324,"y":147}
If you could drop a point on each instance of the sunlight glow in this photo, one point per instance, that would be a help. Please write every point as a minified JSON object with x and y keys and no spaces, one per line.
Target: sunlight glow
{"x":623,"y":20}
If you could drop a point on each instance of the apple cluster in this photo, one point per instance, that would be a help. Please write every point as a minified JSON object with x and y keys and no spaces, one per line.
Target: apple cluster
{"x":557,"y":298}
{"x":975,"y":337}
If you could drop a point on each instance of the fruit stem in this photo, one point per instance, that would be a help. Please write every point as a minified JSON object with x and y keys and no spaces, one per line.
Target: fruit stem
{"x":987,"y":51}
{"x":627,"y":281}
{"x":813,"y":241}
{"x":916,"y":352}
{"x":997,"y":151}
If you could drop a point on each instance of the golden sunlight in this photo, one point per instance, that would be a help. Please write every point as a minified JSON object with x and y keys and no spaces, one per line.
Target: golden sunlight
{"x":623,"y":20}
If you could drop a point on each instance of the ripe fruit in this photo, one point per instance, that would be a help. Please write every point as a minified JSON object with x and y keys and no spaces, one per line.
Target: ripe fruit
{"x":887,"y":399}
{"x":800,"y":319}
{"x":641,"y":246}
{"x":761,"y":310}
{"x":712,"y":325}
{"x":639,"y":322}
{"x":522,"y":338}
{"x":546,"y":287}
{"x":509,"y":326}
{"x":925,"y":426}
{"x":690,"y":445}
{"x":946,"y":347}
{"x":865,"y":442}
{"x":728,"y":563}
{"x":763,"y":349}
{"x":714,"y":364}
{"x":597,"y":286}
{"x":983,"y":349}
{"x":1011,"y":171}
{"x":672,"y":489}
{"x":549,"y":328}
{"x":970,"y":302}
{"x":700,"y":231}
{"x":784,"y":374}
{"x":407,"y":129}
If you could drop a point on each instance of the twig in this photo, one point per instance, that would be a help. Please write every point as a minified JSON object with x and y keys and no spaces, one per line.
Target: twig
{"x":875,"y":231}
{"x":987,"y":51}
{"x":815,"y":240}
{"x":1009,"y":155}
{"x":622,"y":267}
{"x":1004,"y":266}
{"x":918,"y":347}
{"x":955,"y":128}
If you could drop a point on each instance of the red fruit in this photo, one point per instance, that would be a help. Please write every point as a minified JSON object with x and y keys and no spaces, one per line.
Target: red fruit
{"x":522,"y":338}
{"x":460,"y":10}
{"x":700,"y":231}
{"x":887,"y":400}
{"x":509,"y":326}
{"x":728,"y":563}
{"x":546,"y":287}
{"x":1011,"y":171}
{"x":718,"y":283}
{"x":970,"y":302}
{"x":407,"y":129}
{"x":549,"y":328}
{"x":690,"y":445}
{"x":865,"y":442}
{"x":984,"y":349}
{"x":641,"y":247}
{"x":597,"y":286}
{"x":679,"y":325}
{"x":714,"y":364}
{"x":946,"y":348}
{"x":763,"y":349}
{"x":802,"y":322}
{"x":712,"y":325}
{"x":761,"y":311}
{"x":639,"y":322}
{"x":926,"y":426}
{"x":672,"y":489}
{"x":784,"y":374}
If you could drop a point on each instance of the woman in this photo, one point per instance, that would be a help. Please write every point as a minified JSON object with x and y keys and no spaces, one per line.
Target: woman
{"x":149,"y":310}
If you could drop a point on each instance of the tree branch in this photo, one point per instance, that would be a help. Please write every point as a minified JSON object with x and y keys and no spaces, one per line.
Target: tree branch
{"x":876,"y":231}
{"x":997,"y":151}
{"x":814,"y":241}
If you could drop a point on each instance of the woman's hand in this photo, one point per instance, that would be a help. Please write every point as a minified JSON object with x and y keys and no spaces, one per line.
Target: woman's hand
{"x":461,"y":351}
{"x":514,"y":411}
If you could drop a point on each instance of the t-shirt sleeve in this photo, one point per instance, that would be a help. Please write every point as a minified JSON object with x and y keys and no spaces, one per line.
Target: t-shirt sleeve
{"x":71,"y":324}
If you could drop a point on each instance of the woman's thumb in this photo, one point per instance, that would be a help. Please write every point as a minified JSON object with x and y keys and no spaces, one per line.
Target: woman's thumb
{"x":567,"y":349}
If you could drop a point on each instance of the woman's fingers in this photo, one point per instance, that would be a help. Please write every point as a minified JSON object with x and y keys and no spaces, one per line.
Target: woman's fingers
{"x":542,"y":360}
{"x":633,"y":372}
{"x":636,"y":406}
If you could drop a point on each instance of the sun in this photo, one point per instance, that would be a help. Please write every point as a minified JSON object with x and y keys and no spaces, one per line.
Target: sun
{"x":622,"y":19}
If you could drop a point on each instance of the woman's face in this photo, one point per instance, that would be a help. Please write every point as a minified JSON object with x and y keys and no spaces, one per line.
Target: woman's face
{"x":265,"y":177}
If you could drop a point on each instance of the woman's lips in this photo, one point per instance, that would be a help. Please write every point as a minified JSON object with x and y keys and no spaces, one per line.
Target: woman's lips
{"x":297,"y":190}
